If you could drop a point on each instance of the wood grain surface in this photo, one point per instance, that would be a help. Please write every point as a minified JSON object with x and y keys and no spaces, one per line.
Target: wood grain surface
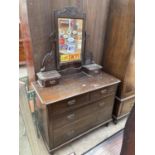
{"x":73,"y":85}
{"x":118,"y":56}
{"x":119,"y":52}
{"x":79,"y":104}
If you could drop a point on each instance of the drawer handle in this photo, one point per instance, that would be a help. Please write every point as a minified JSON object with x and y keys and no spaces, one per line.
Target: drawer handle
{"x":103,"y":91}
{"x":71,"y":102}
{"x":101,"y":104}
{"x":71,"y":117}
{"x":70,"y":133}
{"x":52,"y":82}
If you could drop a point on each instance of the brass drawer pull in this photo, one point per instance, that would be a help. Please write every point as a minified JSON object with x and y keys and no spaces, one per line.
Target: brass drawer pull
{"x":101,"y":104}
{"x":52,"y":82}
{"x":70,"y":133}
{"x":71,"y":117}
{"x":103,"y":91}
{"x":71,"y":102}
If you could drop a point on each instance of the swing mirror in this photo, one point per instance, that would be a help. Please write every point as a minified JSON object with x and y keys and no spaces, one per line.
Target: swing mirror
{"x":70,"y":26}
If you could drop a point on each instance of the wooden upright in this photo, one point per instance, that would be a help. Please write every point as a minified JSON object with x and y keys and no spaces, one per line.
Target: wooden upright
{"x":119,"y":53}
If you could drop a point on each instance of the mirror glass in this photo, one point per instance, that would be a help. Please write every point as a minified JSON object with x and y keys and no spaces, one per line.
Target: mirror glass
{"x":70,"y":39}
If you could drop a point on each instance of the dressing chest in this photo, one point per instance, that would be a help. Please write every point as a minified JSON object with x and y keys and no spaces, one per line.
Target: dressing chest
{"x":79,"y":104}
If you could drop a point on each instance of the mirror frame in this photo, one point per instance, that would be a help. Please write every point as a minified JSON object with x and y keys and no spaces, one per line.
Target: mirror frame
{"x":73,"y":13}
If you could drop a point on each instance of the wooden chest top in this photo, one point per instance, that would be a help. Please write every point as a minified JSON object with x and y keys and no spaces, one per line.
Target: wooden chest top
{"x":73,"y":85}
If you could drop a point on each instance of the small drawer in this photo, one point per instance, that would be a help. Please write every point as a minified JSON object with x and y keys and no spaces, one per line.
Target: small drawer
{"x":61,"y":135}
{"x":70,"y":104}
{"x":69,"y":117}
{"x":101,"y":93}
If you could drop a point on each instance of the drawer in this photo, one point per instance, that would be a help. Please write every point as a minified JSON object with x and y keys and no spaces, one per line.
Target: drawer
{"x":74,"y":115}
{"x":127,"y":106}
{"x":104,"y":109}
{"x":61,"y":135}
{"x":70,"y":104}
{"x":82,"y":119}
{"x":101,"y":93}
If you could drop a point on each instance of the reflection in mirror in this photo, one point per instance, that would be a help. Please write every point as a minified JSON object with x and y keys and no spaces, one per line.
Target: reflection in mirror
{"x":70,"y":39}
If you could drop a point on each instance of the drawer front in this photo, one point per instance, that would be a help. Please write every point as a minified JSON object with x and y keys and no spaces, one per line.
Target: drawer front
{"x":70,"y":104}
{"x":74,"y":115}
{"x":86,"y":118}
{"x":61,"y":135}
{"x":104,"y":109}
{"x":127,"y":106}
{"x":101,"y":93}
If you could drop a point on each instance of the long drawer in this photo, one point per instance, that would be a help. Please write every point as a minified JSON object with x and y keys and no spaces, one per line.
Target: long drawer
{"x":69,"y":131}
{"x":104,"y":108}
{"x":72,"y":116}
{"x":71,"y":125}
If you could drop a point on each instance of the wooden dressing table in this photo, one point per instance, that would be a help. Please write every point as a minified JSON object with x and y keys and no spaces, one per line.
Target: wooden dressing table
{"x":79,"y":104}
{"x":74,"y":96}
